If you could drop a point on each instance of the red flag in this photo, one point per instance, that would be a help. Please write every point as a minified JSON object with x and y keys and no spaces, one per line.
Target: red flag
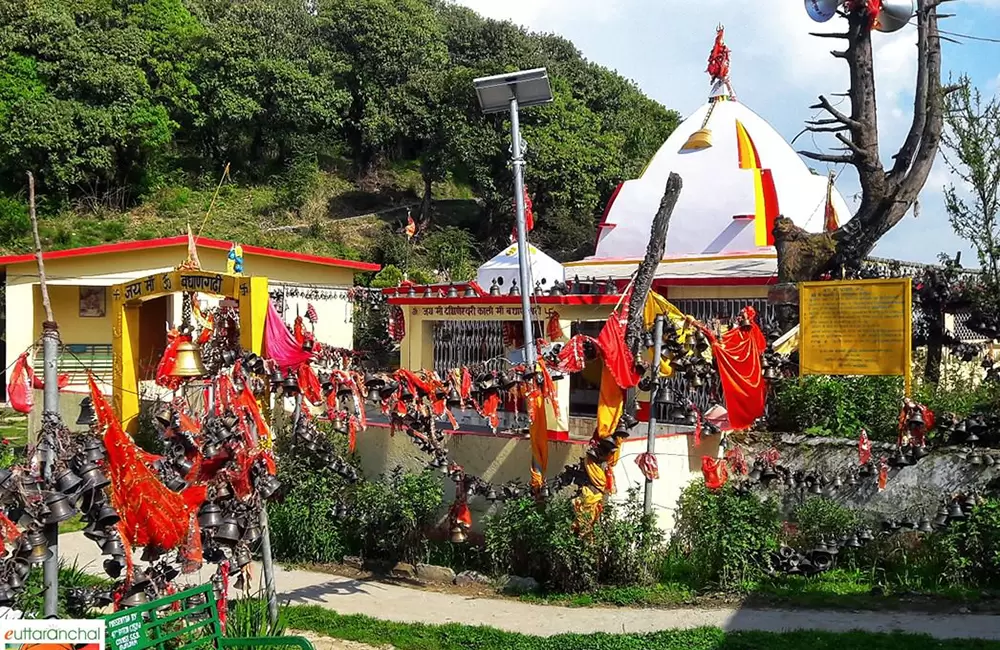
{"x":529,"y":217}
{"x":830,"y":222}
{"x":411,"y":226}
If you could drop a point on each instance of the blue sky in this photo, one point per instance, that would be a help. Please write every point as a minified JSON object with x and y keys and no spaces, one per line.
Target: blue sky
{"x":777,"y":70}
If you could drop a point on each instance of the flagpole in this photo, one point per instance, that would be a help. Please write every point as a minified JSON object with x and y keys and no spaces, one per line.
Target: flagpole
{"x":523,"y":257}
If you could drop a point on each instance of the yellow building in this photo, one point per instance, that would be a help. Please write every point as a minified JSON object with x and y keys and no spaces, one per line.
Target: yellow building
{"x":79,"y":281}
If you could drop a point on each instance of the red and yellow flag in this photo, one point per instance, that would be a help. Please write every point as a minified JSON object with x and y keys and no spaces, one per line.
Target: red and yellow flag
{"x":411,"y":226}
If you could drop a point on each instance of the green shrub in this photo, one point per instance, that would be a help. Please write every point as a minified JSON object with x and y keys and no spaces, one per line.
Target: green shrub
{"x":389,"y":276}
{"x":31,"y":599}
{"x":303,"y":524}
{"x":539,"y":540}
{"x":725,"y":535}
{"x":969,"y":549}
{"x":819,"y":519}
{"x":837,"y":406}
{"x":388,"y":519}
{"x":15,"y":224}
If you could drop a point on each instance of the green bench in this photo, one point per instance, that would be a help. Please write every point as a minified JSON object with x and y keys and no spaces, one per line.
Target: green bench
{"x":189,"y":619}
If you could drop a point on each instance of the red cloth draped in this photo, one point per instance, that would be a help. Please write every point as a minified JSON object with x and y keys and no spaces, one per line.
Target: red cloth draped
{"x":279,"y":344}
{"x":737,"y":356}
{"x":151,"y":514}
{"x":19,"y":392}
{"x":864,"y":448}
{"x":165,"y":369}
{"x":553,"y":329}
{"x":617,"y":357}
{"x":714,"y":471}
{"x":309,"y":384}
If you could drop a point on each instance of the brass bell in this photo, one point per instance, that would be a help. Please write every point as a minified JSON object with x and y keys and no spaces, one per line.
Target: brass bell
{"x":989,"y":461}
{"x":252,"y":535}
{"x":93,"y":449}
{"x":308,"y":345}
{"x":228,"y":532}
{"x":243,"y":556}
{"x":469,"y":292}
{"x":183,"y":466}
{"x":700,"y":139}
{"x":454,"y":399}
{"x":768,"y":474}
{"x":106,"y":517}
{"x":955,"y":511}
{"x":925,"y":526}
{"x":67,"y":482}
{"x":150,"y":554}
{"x":92,"y":476}
{"x":59,"y":509}
{"x":865,"y":535}
{"x":267,"y":486}
{"x":188,"y":363}
{"x":113,"y":546}
{"x":853,"y":542}
{"x":452,"y":291}
{"x":815,"y":488}
{"x":458,"y":535}
{"x":87,"y":416}
{"x":36,"y":547}
{"x":276,"y":377}
{"x":338,"y":424}
{"x":210,"y":515}
{"x":514,"y":291}
{"x":975,"y":458}
{"x":916,"y":419}
{"x":290,"y":385}
{"x":664,"y":396}
{"x":135,"y":597}
{"x":755,"y":473}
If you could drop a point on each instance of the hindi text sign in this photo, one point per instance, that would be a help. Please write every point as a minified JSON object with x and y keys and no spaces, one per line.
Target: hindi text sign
{"x":855,"y":327}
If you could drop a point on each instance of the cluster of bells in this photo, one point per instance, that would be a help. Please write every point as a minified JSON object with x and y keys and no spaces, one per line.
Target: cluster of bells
{"x":687,"y":358}
{"x":817,"y":560}
{"x":670,"y":407}
{"x":309,"y":438}
{"x":972,"y":431}
{"x":775,"y":474}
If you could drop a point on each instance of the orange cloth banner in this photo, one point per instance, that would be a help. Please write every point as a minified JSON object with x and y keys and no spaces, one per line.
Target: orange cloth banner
{"x":539,"y":442}
{"x":737,"y":356}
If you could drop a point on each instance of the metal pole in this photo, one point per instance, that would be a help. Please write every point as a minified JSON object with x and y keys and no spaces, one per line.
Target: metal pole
{"x":523,"y":259}
{"x":50,"y":410}
{"x":647,"y":497}
{"x":266,"y":559}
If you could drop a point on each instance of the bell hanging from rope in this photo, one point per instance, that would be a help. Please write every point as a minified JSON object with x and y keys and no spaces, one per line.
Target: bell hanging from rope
{"x":210,"y":515}
{"x":93,"y":449}
{"x":920,"y":452}
{"x":228,"y":532}
{"x":87,"y":416}
{"x":700,"y":139}
{"x":454,"y":399}
{"x":106,"y":516}
{"x":955,"y":511}
{"x":243,"y":556}
{"x":267,"y":486}
{"x":916,"y":419}
{"x":458,"y":535}
{"x":290,"y":385}
{"x":925,"y":526}
{"x":188,"y":362}
{"x":135,"y":597}
{"x":113,"y":546}
{"x":67,"y":482}
{"x":59,"y":509}
{"x":664,"y":397}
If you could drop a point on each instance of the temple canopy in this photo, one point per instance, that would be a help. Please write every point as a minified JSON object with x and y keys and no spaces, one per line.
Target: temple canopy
{"x":504,"y":267}
{"x":739,"y":174}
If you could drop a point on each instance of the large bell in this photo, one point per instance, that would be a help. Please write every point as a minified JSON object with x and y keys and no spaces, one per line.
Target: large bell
{"x":92,"y":476}
{"x":67,"y":482}
{"x":242,"y":556}
{"x":136,"y":596}
{"x":458,"y":535}
{"x":700,"y":139}
{"x":35,"y":547}
{"x":188,"y":363}
{"x":894,"y":15}
{"x":106,"y":516}
{"x":87,"y":416}
{"x":113,"y":546}
{"x":955,"y":511}
{"x":228,"y":532}
{"x":252,"y":534}
{"x":916,"y":419}
{"x":925,"y":526}
{"x":210,"y":515}
{"x":59,"y":509}
{"x":267,"y":486}
{"x":93,"y":449}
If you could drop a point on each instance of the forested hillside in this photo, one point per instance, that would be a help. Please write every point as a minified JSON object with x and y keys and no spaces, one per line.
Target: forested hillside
{"x":335,"y":117}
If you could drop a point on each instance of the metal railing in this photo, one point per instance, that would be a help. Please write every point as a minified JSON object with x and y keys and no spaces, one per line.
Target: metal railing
{"x":75,"y":359}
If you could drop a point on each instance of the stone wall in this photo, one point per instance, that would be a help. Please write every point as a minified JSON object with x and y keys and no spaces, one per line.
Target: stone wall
{"x":914,"y":491}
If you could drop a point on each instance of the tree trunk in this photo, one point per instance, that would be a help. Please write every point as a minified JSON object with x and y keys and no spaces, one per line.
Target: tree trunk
{"x":935,"y":345}
{"x":425,"y":205}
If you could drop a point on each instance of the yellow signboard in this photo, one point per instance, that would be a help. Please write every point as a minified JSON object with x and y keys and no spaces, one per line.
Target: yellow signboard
{"x":856,"y":327}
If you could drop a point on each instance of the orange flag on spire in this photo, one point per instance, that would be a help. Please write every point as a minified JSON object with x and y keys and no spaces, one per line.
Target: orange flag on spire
{"x":830,"y":222}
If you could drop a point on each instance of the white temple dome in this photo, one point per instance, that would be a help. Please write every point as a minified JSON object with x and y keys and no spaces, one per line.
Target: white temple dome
{"x":727,"y":206}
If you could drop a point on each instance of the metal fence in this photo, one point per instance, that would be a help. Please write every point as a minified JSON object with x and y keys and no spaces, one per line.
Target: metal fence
{"x":460,"y":343}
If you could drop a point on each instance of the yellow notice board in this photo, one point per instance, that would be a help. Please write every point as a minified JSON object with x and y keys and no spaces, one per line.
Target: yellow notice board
{"x":856,"y":327}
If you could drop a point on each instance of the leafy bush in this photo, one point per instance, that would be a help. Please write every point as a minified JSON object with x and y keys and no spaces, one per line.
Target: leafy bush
{"x":450,"y":250}
{"x":837,"y":406}
{"x":387,"y":519}
{"x":14,"y":222}
{"x":819,"y":519}
{"x":539,"y":540}
{"x":303,"y":524}
{"x":389,"y":276}
{"x":725,"y":535}
{"x":31,"y":599}
{"x":969,"y":549}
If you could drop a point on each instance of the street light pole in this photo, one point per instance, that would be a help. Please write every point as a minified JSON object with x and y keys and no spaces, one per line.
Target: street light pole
{"x":523,"y":253}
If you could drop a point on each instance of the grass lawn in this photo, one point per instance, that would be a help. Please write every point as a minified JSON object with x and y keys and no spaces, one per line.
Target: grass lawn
{"x":405,"y":636}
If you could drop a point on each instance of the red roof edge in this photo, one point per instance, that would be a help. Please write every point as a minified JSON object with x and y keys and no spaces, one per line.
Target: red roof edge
{"x":181,"y":240}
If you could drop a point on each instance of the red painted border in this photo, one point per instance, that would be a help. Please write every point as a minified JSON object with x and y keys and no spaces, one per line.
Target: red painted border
{"x":761,"y":281}
{"x":181,"y":240}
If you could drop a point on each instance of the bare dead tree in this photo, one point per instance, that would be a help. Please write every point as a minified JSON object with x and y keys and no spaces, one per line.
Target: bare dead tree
{"x":886,"y":194}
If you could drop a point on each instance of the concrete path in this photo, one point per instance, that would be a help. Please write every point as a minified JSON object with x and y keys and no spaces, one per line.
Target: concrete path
{"x":402,"y":604}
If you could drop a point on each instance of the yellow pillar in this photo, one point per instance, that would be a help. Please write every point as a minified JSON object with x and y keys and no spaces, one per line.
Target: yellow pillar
{"x":125,"y":388}
{"x":253,"y":297}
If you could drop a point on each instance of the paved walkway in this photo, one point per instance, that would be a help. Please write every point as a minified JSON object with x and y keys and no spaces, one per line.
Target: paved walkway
{"x":402,"y":604}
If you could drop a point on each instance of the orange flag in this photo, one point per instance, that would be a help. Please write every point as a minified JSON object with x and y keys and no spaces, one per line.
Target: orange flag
{"x":411,"y":226}
{"x":830,"y":222}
